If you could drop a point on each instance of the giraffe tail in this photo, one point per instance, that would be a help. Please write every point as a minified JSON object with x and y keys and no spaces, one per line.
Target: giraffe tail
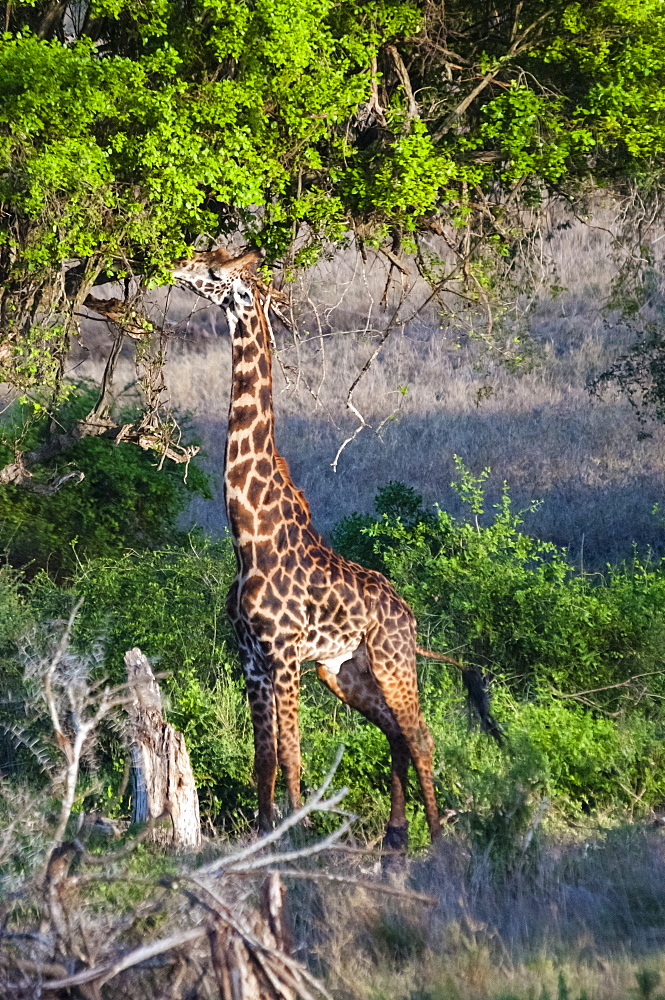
{"x":476,"y":689}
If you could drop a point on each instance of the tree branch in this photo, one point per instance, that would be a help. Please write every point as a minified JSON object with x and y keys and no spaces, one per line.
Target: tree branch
{"x":516,"y":48}
{"x":401,"y":70}
{"x":111,"y":969}
{"x":17,"y":473}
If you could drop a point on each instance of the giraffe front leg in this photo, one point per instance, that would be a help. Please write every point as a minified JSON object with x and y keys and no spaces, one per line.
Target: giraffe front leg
{"x":262,"y":705}
{"x":287,"y":689}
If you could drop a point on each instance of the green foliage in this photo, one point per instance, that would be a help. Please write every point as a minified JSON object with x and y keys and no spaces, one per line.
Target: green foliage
{"x":213,"y":109}
{"x":647,"y":981}
{"x":481,"y":587}
{"x":500,"y":798}
{"x":129,"y":130}
{"x":189,"y":115}
{"x":172,"y":604}
{"x":15,"y":621}
{"x":123,"y":501}
{"x":14,"y":616}
{"x":497,"y":597}
{"x":353,"y":539}
{"x":512,"y":603}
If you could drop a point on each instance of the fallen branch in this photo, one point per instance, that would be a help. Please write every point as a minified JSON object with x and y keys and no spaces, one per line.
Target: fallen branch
{"x":380,"y":887}
{"x":103,"y":973}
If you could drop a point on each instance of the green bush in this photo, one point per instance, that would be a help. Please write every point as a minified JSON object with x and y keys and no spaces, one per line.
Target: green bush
{"x":172,"y":604}
{"x":15,"y":621}
{"x":513,"y":604}
{"x":360,"y":537}
{"x":493,"y":595}
{"x":124,"y":501}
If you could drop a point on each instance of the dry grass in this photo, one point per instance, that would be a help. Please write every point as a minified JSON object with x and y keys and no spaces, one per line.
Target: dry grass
{"x":540,"y":430}
{"x":590,"y":910}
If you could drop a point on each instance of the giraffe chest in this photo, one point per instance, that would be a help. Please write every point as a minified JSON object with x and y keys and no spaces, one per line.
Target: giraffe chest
{"x":320,"y":623}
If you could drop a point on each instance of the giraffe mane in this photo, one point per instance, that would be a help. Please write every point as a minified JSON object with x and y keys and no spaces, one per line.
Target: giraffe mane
{"x":283,"y":468}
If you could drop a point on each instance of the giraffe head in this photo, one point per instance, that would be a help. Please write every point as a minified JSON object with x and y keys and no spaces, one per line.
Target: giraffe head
{"x":218,"y":276}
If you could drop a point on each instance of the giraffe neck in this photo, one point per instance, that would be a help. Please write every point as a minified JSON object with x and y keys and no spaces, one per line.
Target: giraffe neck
{"x":253,"y":480}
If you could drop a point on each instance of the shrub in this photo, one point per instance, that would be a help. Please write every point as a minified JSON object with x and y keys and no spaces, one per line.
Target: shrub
{"x":480,"y":587}
{"x":124,"y":501}
{"x":360,"y":537}
{"x":514,"y":605}
{"x":486,"y":591}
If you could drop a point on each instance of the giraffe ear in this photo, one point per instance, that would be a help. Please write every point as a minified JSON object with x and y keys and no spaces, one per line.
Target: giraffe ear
{"x":220,"y":256}
{"x":242,"y":293}
{"x":249,"y":260}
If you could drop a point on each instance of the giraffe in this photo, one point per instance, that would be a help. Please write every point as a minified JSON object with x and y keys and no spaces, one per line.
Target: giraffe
{"x":294,"y":599}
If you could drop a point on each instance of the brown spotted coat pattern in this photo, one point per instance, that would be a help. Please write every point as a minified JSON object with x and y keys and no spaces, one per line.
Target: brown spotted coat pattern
{"x":293,"y":598}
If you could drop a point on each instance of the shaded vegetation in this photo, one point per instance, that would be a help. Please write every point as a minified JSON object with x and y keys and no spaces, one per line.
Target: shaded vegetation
{"x":123,"y":499}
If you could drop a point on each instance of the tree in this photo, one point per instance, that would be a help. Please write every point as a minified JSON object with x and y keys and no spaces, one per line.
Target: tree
{"x":130,"y":130}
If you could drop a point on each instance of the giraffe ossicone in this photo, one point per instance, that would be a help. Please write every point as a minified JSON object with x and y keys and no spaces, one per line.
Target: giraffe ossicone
{"x":294,"y":599}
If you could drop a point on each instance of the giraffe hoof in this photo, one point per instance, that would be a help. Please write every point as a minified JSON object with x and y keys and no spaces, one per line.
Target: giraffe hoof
{"x":396,"y":838}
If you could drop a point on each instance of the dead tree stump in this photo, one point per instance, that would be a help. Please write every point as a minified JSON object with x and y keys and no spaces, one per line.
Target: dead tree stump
{"x":162,"y":778}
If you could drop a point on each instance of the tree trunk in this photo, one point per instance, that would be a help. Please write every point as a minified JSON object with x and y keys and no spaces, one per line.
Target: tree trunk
{"x":162,"y":778}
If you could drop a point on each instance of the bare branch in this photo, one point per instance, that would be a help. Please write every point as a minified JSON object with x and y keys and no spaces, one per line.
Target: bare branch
{"x":49,"y":694}
{"x":380,"y":887}
{"x":412,"y":107}
{"x":103,"y":973}
{"x":316,"y":803}
{"x":607,"y":687}
{"x":303,"y":852}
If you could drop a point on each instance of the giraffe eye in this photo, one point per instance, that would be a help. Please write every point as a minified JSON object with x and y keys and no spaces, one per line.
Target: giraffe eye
{"x":212,"y":275}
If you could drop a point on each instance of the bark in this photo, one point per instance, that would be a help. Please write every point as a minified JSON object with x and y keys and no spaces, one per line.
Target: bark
{"x":162,"y":777}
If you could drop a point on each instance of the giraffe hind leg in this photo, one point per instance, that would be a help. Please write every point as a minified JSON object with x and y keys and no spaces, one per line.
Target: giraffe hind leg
{"x":355,"y":685}
{"x":393,"y":665}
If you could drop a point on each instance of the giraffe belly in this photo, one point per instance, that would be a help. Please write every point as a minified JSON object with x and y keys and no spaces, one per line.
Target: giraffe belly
{"x":333,"y":655}
{"x":334,"y":665}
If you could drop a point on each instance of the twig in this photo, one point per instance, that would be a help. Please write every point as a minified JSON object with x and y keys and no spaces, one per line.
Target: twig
{"x":388,"y":890}
{"x":109,"y":970}
{"x":316,"y":802}
{"x":56,"y":659}
{"x":301,"y":852}
{"x":256,"y":944}
{"x":607,"y":687}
